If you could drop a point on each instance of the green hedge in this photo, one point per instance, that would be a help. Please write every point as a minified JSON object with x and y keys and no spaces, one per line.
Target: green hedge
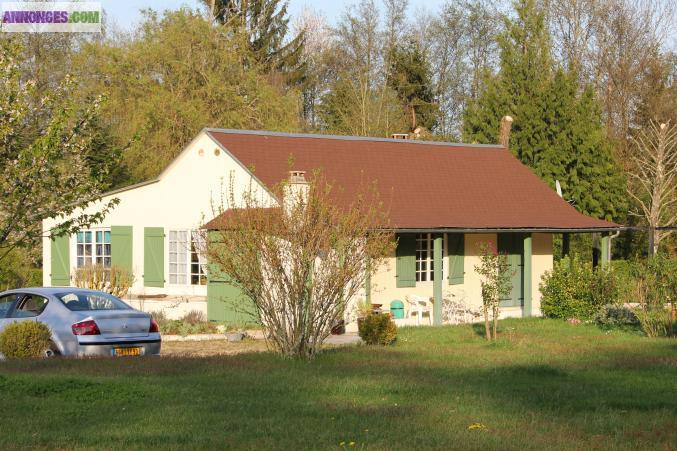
{"x":574,"y":290}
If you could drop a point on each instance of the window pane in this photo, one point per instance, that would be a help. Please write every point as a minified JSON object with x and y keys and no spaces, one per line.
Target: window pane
{"x":106,"y":262}
{"x":88,"y":237}
{"x":81,"y":237}
{"x":106,"y":236}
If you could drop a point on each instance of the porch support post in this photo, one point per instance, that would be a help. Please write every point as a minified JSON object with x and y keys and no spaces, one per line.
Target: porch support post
{"x":526,"y":309}
{"x":437,"y":283}
{"x":565,"y":244}
{"x":605,"y":245}
{"x":367,"y":281}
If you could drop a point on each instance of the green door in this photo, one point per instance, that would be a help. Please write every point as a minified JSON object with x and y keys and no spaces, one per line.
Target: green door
{"x":225,"y":302}
{"x":512,"y":244}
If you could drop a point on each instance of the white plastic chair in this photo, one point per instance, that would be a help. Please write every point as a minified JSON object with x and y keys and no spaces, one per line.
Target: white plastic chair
{"x":420,"y":305}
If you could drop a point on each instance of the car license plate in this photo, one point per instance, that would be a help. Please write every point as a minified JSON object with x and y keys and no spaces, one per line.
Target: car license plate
{"x":122,"y":352}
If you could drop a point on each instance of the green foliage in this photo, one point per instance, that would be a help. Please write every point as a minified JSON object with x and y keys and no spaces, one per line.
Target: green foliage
{"x":656,"y":322}
{"x":20,"y":268}
{"x":45,"y":154}
{"x":557,"y":128}
{"x":377,"y":329}
{"x":25,"y":339}
{"x":192,"y":323}
{"x":178,"y":75}
{"x":613,"y":316}
{"x":409,"y":75}
{"x":265,"y":24}
{"x":574,"y":290}
{"x":656,"y":283}
{"x":350,"y":107}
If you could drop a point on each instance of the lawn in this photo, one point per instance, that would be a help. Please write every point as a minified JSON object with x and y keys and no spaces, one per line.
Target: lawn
{"x":545,"y":384}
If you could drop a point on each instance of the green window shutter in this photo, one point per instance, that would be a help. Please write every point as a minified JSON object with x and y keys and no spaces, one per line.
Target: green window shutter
{"x":61,"y":272}
{"x":512,"y":245}
{"x":121,"y":247}
{"x":456,"y":243}
{"x":153,"y":257}
{"x":405,"y":260}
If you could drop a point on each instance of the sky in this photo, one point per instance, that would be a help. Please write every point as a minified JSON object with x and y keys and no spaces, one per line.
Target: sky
{"x":126,"y":14}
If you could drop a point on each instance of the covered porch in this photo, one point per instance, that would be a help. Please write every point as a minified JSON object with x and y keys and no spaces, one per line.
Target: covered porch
{"x":431,"y":278}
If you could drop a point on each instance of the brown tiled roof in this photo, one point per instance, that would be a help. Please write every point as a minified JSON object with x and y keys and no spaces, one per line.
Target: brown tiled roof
{"x":221,"y":222}
{"x":424,"y":185}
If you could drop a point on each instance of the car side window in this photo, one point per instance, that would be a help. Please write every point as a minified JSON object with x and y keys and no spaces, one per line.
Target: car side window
{"x":6,"y":303}
{"x":29,"y":306}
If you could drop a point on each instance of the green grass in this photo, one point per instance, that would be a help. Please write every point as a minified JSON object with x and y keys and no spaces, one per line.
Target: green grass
{"x":544,"y":385}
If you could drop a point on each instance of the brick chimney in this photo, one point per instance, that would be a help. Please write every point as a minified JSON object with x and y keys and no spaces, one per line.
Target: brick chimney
{"x":504,"y":137}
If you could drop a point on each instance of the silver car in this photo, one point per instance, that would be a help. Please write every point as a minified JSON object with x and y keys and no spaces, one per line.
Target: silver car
{"x":83,"y":322}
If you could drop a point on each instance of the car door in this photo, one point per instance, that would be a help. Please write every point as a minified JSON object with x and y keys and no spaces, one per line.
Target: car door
{"x":7,"y":303}
{"x":27,"y":307}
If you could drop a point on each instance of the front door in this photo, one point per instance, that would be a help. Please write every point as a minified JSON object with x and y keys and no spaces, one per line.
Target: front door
{"x":512,"y":245}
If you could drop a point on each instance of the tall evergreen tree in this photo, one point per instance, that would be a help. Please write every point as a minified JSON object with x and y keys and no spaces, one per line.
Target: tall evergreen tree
{"x":557,"y":130}
{"x":409,"y":76}
{"x":266,"y":23}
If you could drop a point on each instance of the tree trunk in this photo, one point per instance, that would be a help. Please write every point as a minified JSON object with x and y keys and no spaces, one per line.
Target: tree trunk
{"x":487,"y":330}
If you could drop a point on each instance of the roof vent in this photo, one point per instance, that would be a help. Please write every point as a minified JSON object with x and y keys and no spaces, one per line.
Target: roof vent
{"x":400,"y":136}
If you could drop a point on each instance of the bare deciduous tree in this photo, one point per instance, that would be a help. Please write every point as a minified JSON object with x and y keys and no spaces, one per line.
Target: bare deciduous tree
{"x":654,"y":179}
{"x":300,"y":264}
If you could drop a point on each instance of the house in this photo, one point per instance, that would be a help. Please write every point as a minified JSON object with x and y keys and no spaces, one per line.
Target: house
{"x":444,"y":200}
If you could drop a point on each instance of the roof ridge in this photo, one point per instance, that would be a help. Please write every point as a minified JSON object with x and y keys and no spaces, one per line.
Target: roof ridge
{"x":347,"y":138}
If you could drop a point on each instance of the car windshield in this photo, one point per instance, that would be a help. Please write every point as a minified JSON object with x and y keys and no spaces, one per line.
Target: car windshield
{"x":81,"y":301}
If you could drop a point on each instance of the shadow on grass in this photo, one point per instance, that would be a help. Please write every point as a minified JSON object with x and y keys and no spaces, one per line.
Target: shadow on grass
{"x":402,"y":397}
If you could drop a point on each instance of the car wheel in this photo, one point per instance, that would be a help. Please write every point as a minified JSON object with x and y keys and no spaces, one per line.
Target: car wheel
{"x":52,"y":351}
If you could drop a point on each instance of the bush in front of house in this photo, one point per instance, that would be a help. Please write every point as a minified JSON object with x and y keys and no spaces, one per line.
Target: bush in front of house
{"x":656,"y":293}
{"x":115,"y":280}
{"x":612,"y":316}
{"x":26,"y":339}
{"x":192,"y":323}
{"x":573,"y":289}
{"x":377,"y":329}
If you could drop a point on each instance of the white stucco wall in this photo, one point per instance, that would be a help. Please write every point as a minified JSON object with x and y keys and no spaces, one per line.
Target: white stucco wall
{"x":185,"y":196}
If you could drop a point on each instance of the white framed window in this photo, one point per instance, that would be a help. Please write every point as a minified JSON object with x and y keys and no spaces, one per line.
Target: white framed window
{"x":93,"y":248}
{"x":187,"y":266}
{"x":425,"y":262}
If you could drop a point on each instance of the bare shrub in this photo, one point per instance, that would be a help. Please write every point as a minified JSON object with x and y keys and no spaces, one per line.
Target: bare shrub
{"x":302,"y":262}
{"x":115,"y":280}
